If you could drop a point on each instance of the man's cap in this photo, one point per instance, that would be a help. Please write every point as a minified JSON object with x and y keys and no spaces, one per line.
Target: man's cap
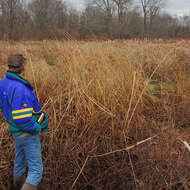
{"x":15,"y":63}
{"x":16,"y":60}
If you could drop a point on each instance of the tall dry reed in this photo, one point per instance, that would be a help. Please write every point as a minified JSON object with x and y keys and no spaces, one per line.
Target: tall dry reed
{"x":118,"y":111}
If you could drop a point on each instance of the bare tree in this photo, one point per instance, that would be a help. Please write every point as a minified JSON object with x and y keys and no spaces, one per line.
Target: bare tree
{"x":135,"y":23}
{"x":113,"y":9}
{"x":186,"y":23}
{"x":47,"y":14}
{"x":122,"y":6}
{"x":12,"y":17}
{"x":108,"y":8}
{"x":151,"y":9}
{"x":92,"y":21}
{"x":154,"y":10}
{"x":73,"y":19}
{"x":108,"y":18}
{"x":10,"y":11}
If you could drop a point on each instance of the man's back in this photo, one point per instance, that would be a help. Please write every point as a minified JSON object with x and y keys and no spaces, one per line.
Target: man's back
{"x":6,"y":89}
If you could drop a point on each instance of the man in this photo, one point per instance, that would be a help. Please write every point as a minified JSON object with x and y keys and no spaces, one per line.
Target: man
{"x":21,"y":110}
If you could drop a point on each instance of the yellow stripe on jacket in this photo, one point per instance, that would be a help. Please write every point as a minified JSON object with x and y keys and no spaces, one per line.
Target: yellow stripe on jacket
{"x":22,"y":116}
{"x":22,"y":110}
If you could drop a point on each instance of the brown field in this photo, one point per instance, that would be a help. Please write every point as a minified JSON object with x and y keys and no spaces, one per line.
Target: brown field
{"x":102,"y":98}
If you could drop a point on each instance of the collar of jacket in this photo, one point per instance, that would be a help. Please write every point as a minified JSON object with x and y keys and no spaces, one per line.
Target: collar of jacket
{"x":13,"y":76}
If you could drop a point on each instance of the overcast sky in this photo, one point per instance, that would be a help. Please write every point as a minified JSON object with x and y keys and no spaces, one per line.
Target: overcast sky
{"x":174,"y":7}
{"x":178,"y":7}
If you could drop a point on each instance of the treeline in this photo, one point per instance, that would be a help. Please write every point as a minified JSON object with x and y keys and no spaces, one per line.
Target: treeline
{"x":55,"y":19}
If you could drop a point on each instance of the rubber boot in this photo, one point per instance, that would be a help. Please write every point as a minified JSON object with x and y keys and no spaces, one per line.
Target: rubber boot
{"x":18,"y":182}
{"x":27,"y":186}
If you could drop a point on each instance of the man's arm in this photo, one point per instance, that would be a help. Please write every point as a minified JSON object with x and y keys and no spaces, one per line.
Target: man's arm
{"x":22,"y":111}
{"x":0,"y":106}
{"x":0,"y":110}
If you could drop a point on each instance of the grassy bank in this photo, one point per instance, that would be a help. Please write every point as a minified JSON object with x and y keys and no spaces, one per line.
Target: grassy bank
{"x":102,"y":98}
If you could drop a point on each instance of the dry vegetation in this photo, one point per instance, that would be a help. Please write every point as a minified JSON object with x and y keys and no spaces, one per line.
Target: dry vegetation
{"x":102,"y":98}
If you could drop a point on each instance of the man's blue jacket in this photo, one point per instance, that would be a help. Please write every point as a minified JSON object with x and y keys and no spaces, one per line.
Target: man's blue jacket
{"x":19,"y":106}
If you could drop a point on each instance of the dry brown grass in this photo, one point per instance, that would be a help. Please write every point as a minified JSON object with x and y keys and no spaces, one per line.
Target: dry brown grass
{"x":102,"y":98}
